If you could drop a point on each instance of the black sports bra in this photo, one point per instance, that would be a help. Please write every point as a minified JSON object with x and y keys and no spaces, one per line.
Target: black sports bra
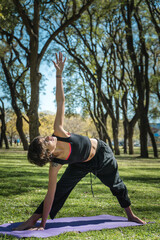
{"x":80,"y":147}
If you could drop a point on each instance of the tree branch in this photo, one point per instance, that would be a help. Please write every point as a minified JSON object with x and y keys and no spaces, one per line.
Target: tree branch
{"x":27,"y":22}
{"x":62,"y":27}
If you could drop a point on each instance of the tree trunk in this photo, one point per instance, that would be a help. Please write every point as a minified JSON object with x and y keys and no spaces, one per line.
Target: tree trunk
{"x":125,"y":124}
{"x":154,"y":145}
{"x":109,"y":141}
{"x":19,"y":126}
{"x":3,"y":137}
{"x":34,"y":103}
{"x":130,"y":139}
{"x":15,"y":105}
{"x":35,"y":76}
{"x":143,"y":134}
{"x":115,"y":128}
{"x":3,"y":127}
{"x":1,"y":141}
{"x":140,"y":70}
{"x":101,"y":127}
{"x":104,"y":136}
{"x":6,"y":141}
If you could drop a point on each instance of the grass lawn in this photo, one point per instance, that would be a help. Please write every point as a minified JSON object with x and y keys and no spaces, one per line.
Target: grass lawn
{"x":23,"y":186}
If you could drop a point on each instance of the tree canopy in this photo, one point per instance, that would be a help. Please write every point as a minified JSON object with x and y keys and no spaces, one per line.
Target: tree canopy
{"x":113,"y":61}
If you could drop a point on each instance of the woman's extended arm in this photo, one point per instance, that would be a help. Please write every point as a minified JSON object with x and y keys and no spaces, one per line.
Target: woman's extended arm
{"x":60,"y":99}
{"x":29,"y":224}
{"x":53,"y":171}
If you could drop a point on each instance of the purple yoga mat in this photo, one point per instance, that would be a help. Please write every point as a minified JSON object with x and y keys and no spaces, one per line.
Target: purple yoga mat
{"x":69,"y":224}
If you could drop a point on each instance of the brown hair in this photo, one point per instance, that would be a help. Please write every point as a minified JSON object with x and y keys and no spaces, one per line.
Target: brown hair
{"x":37,"y":152}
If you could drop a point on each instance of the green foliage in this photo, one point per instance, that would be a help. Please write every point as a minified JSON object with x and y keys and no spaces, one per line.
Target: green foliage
{"x":23,"y":187}
{"x":98,"y":42}
{"x":154,"y":112}
{"x":8,"y":16}
{"x":46,"y":121}
{"x":155,"y":82}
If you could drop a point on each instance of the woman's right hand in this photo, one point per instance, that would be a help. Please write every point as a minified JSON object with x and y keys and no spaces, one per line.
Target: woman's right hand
{"x":59,"y":65}
{"x":30,"y":223}
{"x":23,"y":226}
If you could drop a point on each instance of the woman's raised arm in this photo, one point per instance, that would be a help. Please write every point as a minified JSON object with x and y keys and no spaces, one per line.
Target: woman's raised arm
{"x":60,"y":98}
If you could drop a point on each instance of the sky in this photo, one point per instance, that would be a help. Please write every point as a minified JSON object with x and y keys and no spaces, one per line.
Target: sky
{"x":47,"y":100}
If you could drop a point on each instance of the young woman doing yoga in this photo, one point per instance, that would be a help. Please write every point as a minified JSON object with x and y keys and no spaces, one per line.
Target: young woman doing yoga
{"x":82,"y":154}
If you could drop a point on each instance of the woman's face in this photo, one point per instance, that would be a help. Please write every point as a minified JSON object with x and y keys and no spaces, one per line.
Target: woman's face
{"x":50,"y":143}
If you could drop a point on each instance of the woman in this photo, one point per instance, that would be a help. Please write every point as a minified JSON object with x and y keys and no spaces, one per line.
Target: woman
{"x":83,"y":155}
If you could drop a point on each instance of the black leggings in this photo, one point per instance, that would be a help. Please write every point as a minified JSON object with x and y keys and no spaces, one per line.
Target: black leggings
{"x":103,"y":165}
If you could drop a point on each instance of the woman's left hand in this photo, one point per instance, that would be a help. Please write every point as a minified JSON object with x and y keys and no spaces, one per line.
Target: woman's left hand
{"x":59,"y":65}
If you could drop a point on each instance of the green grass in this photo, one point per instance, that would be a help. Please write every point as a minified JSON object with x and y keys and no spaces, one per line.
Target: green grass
{"x":23,"y":186}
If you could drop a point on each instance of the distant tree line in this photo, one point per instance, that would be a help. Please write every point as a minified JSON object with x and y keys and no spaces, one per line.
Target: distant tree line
{"x":75,"y":124}
{"x":113,"y":55}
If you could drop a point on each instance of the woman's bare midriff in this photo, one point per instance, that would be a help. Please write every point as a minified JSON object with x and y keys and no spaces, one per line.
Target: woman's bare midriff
{"x":62,"y":150}
{"x":94,"y":144}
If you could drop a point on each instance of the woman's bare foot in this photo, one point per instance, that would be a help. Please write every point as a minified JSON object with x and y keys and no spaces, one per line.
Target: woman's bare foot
{"x":132,"y":217}
{"x":136,"y":219}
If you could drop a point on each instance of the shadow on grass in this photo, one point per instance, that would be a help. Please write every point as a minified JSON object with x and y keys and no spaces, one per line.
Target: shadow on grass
{"x":14,"y":181}
{"x":22,"y":178}
{"x":136,"y":158}
{"x":18,"y":182}
{"x":142,"y":179}
{"x":13,"y":158}
{"x":137,"y":179}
